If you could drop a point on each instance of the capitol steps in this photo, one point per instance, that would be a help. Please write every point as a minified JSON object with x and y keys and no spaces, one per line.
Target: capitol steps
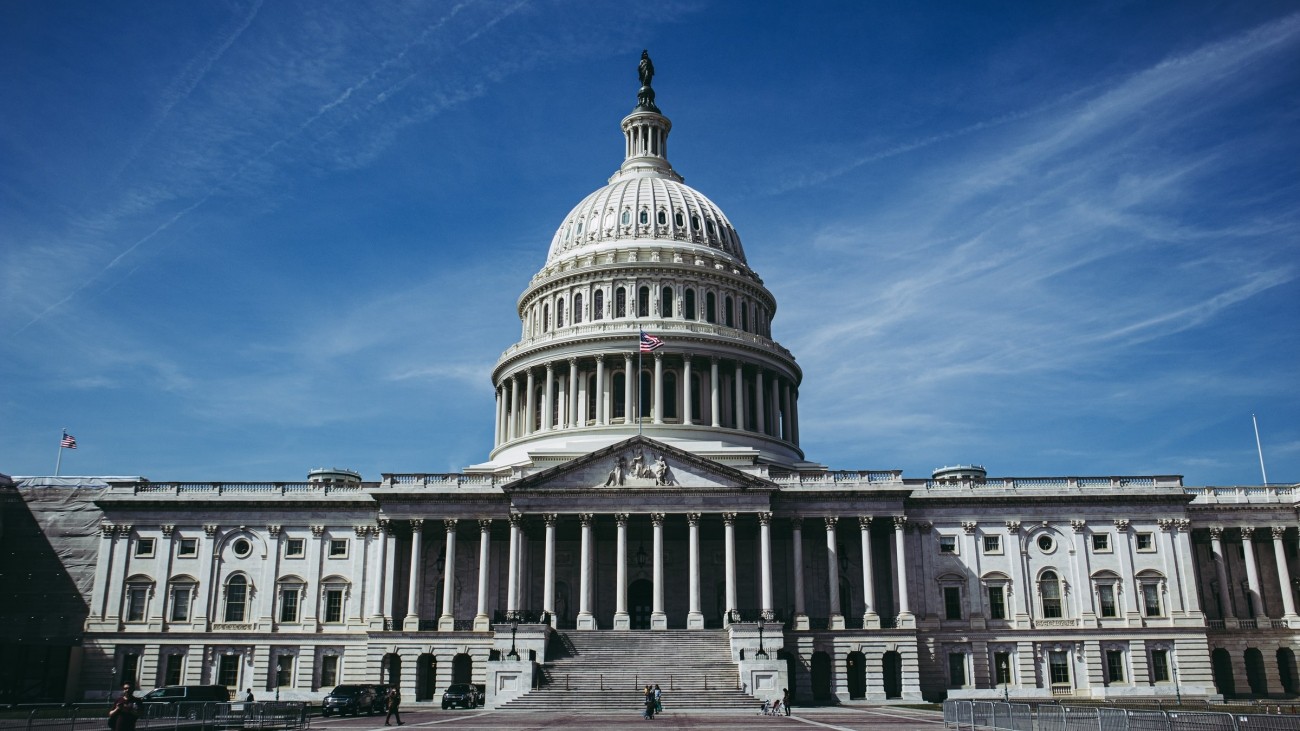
{"x":607,"y":671}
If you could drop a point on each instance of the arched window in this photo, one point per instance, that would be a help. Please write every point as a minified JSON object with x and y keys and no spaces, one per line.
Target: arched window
{"x":559,"y":313}
{"x":598,"y":305}
{"x":626,"y":218}
{"x":620,"y":302}
{"x":645,"y":217}
{"x":689,"y":312}
{"x":236,"y":599}
{"x":616,"y":396}
{"x":710,"y":308}
{"x":744,"y":316}
{"x":678,"y":220}
{"x":666,"y":303}
{"x":662,"y":218}
{"x":577,"y":309}
{"x":643,"y":302}
{"x":730,"y":321}
{"x":546,"y":318}
{"x":670,"y":395}
{"x":1049,"y":593}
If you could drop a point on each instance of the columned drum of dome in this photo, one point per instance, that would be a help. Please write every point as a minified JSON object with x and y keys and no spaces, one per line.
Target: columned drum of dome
{"x":646,"y":252}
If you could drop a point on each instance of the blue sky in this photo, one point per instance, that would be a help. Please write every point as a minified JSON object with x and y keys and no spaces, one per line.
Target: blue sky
{"x":242,"y":239}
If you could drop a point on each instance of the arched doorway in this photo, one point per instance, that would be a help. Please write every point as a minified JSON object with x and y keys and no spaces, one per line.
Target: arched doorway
{"x":892,"y":670}
{"x":1221,"y":666}
{"x":1286,"y":670}
{"x":821,"y":676}
{"x":462,"y":668}
{"x":638,"y":603}
{"x":791,"y":668}
{"x":392,"y":669}
{"x":425,"y":676}
{"x":856,"y":667}
{"x":1255,"y":672}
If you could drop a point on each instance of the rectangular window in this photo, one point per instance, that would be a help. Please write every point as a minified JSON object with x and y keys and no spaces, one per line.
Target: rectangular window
{"x":289,"y":605}
{"x":956,"y":670}
{"x":993,"y":544}
{"x":947,"y":544}
{"x":135,"y":602}
{"x":228,"y":671}
{"x":1151,"y":599}
{"x":1058,"y":667}
{"x":293,"y":548}
{"x":952,"y":602}
{"x":1101,"y":543}
{"x":172,"y":673}
{"x":334,"y":605}
{"x":284,"y":671}
{"x":997,"y":603}
{"x":144,"y":548}
{"x":1160,"y":666}
{"x":338,"y":548}
{"x":1002,"y":668}
{"x":180,"y":604}
{"x":1106,"y":600}
{"x":1114,"y":666}
{"x":131,"y":669}
{"x":1146,"y":542}
{"x":329,"y":671}
{"x":187,"y":548}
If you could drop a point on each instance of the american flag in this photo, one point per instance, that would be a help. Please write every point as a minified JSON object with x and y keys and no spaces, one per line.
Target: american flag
{"x":650,"y":342}
{"x":69,"y":441}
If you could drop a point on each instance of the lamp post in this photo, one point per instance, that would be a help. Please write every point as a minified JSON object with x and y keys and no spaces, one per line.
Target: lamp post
{"x":761,"y":652}
{"x":514,"y":628}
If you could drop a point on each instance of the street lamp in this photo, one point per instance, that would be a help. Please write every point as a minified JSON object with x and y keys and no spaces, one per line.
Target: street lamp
{"x":761,"y":652}
{"x":514,"y":628}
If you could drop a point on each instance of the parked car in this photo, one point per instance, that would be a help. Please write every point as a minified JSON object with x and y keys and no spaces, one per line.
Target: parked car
{"x":462,"y":694}
{"x":381,"y":697}
{"x":188,"y":694}
{"x":345,"y":699}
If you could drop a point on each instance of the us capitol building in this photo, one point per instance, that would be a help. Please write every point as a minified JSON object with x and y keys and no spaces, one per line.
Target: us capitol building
{"x":646,"y":501}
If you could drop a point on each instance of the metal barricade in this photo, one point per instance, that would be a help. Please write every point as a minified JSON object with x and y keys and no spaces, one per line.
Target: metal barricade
{"x":1201,"y":721}
{"x":1022,"y":717}
{"x":982,"y":714}
{"x":1148,"y":720}
{"x":949,"y":713}
{"x":1080,"y":719}
{"x":1261,"y":722}
{"x":1051,"y":718}
{"x":965,"y":714}
{"x":1112,"y":719}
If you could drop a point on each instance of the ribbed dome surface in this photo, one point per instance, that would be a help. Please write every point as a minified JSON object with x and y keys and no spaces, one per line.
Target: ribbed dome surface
{"x":645,"y":207}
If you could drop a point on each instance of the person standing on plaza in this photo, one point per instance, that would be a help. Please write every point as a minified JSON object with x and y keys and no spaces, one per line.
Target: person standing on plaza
{"x":649,"y":704}
{"x":785,"y":700}
{"x":659,"y":697}
{"x":394,"y":700}
{"x":125,"y":710}
{"x":248,"y":696}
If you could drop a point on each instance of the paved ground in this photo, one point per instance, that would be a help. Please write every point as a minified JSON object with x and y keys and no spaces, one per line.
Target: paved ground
{"x":842,"y":718}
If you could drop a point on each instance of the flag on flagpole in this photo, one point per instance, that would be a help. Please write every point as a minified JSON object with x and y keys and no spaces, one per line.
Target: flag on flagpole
{"x":69,"y":441}
{"x":650,"y":342}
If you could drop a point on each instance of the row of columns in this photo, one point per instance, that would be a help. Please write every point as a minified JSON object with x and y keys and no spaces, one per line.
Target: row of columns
{"x":1252,"y":572}
{"x":514,"y":411}
{"x":658,"y":619}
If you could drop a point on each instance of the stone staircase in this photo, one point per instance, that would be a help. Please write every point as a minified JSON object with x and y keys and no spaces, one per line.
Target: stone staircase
{"x":607,"y":670}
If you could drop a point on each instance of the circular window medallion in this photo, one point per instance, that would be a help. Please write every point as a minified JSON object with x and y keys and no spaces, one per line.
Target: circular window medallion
{"x":242,"y":547}
{"x":1046,"y":544}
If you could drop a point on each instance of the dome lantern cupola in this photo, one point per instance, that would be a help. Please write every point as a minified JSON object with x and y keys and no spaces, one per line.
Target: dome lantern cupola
{"x":646,"y":129}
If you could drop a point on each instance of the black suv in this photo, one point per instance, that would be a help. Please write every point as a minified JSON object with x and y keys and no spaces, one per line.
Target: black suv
{"x":345,"y":699}
{"x":187,"y":694}
{"x":462,"y":694}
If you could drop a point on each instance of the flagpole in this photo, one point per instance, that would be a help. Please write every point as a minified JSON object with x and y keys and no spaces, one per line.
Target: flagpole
{"x":1259,"y":448}
{"x":58,"y":462}
{"x":639,"y":355}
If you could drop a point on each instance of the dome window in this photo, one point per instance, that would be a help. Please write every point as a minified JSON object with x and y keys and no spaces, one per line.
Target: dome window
{"x":689,"y":306}
{"x":559,"y":313}
{"x":645,"y":217}
{"x":643,"y":302}
{"x":577,"y":309}
{"x":695,"y":223}
{"x":663,"y":218}
{"x":546,"y":318}
{"x":598,"y":305}
{"x":627,"y":217}
{"x":709,"y":225}
{"x":729,"y":321}
{"x":609,"y":220}
{"x":666,"y":302}
{"x":579,"y":228}
{"x":678,"y":219}
{"x":620,"y":302}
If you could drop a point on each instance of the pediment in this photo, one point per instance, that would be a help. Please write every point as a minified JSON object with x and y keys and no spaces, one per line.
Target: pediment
{"x":640,"y":463}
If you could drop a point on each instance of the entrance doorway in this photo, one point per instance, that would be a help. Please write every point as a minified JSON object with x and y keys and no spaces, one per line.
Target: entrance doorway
{"x":393,"y":668}
{"x":857,"y":670}
{"x":821,"y":676}
{"x":1221,"y":665}
{"x":425,"y":674}
{"x":638,"y":603}
{"x":462,"y":669}
{"x":892,"y":666}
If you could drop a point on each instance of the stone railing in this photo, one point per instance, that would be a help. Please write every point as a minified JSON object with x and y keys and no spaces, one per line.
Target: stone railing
{"x":242,"y":488}
{"x":454,"y":479}
{"x":1068,"y":483}
{"x":1040,"y":623}
{"x":839,"y":478}
{"x":1243,"y":494}
{"x":630,"y":328}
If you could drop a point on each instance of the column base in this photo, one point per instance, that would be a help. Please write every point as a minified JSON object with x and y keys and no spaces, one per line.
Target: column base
{"x":837,"y":622}
{"x":446,"y":623}
{"x":871,"y":620}
{"x":695,"y":620}
{"x":658,"y":620}
{"x":587,"y":620}
{"x":622,"y":620}
{"x":801,"y":623}
{"x":906,"y":620}
{"x":482,"y":623}
{"x":376,"y":623}
{"x":411,"y":623}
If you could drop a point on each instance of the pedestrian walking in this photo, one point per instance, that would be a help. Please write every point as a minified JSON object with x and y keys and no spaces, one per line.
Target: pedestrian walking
{"x":125,"y":710}
{"x":649,"y":699}
{"x":248,"y":696}
{"x":785,"y":700}
{"x":393,"y":701}
{"x":659,"y":699}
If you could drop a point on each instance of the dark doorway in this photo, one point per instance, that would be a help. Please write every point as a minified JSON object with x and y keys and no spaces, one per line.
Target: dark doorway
{"x":462,"y":669}
{"x":856,"y":666}
{"x":791,"y":670}
{"x":846,"y":596}
{"x":1255,"y":672}
{"x":393,"y":669}
{"x":821,"y":677}
{"x":892,"y":669}
{"x":638,"y":603}
{"x":1286,"y":670}
{"x":1221,"y":665}
{"x":425,"y":675}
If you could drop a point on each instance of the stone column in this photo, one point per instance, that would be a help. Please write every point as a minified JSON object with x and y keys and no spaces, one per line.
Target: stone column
{"x":687,"y":390}
{"x":496,"y":427}
{"x":694,"y":617}
{"x":412,"y":621}
{"x":794,"y":415}
{"x":447,"y":620}
{"x":548,"y":399}
{"x":481,"y":621}
{"x":529,"y":400}
{"x":796,"y":542}
{"x":739,"y":389}
{"x":870,"y":617}
{"x":774,"y":415}
{"x":629,"y":377}
{"x":729,"y":545}
{"x":765,"y":570}
{"x":1124,"y":548}
{"x":586,"y":620}
{"x":383,"y":575}
{"x":514,"y":407}
{"x":659,"y":388}
{"x":900,"y":542}
{"x":785,"y":410}
{"x":760,"y":413}
{"x":1252,"y":572}
{"x":512,"y":574}
{"x":1221,"y":573}
{"x":602,"y":408}
{"x":833,"y":573}
{"x":548,"y":569}
{"x":621,"y":618}
{"x":658,"y":620}
{"x":1187,"y":570}
{"x":1283,"y":574}
{"x":715,"y":398}
{"x":571,"y":418}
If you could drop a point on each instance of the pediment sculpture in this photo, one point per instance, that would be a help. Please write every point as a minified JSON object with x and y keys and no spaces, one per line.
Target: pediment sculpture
{"x":636,"y":472}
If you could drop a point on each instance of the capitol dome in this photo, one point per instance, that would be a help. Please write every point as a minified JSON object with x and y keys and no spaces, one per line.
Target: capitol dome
{"x":646,"y":253}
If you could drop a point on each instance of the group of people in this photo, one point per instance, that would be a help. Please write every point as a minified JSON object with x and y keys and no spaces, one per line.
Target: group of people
{"x":778,"y":707}
{"x":653,"y":701}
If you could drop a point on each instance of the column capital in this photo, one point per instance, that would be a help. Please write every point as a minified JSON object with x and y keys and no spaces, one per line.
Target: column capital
{"x":484,"y":525}
{"x":765,"y":519}
{"x":1121,"y":524}
{"x":319,"y":530}
{"x":831,"y":520}
{"x":108,"y":530}
{"x":600,"y":358}
{"x":1247,"y":532}
{"x":586,"y":519}
{"x":687,"y":356}
{"x":516,"y":520}
{"x":361,"y":530}
{"x":1216,"y":532}
{"x":1165,"y":524}
{"x":1279,"y":531}
{"x":550,"y":519}
{"x":969,"y":526}
{"x":900,"y":522}
{"x":385,"y":526}
{"x":713,"y":360}
{"x":168,"y":529}
{"x":1078,"y":526}
{"x":620,"y":519}
{"x":573,"y":362}
{"x":692,"y":518}
{"x":450,"y":524}
{"x":864,"y":522}
{"x":657,"y":519}
{"x":210,"y":529}
{"x":729,"y":518}
{"x":658,"y":355}
{"x":796,"y":522}
{"x":550,"y":367}
{"x":1184,"y":525}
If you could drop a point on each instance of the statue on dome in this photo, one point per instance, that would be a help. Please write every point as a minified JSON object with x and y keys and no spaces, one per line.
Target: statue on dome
{"x":645,"y":70}
{"x":645,"y":98}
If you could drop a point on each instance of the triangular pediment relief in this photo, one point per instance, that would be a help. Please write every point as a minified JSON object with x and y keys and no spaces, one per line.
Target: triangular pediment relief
{"x":640,"y":463}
